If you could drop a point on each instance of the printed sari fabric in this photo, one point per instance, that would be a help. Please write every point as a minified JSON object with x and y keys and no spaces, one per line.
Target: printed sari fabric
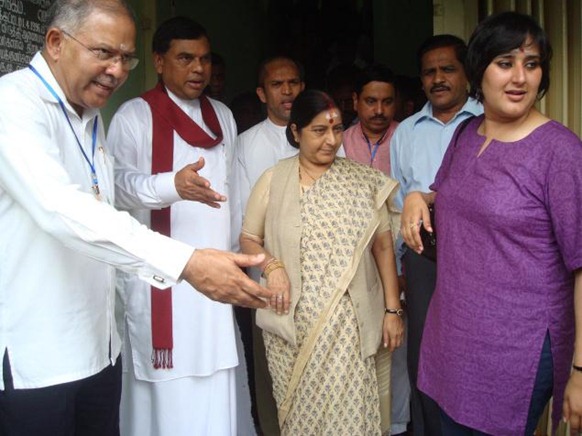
{"x":337,"y":392}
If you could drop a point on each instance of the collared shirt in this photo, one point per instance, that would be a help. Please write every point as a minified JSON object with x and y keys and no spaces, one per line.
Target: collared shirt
{"x":419,"y":144}
{"x":198,"y":322}
{"x":417,"y":149}
{"x":360,"y":149}
{"x":59,"y":245}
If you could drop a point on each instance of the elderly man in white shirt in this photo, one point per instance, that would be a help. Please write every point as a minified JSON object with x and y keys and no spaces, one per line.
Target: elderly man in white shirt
{"x":62,"y":239}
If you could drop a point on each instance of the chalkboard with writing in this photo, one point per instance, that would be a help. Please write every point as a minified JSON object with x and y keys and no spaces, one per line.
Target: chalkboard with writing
{"x":22,"y":28}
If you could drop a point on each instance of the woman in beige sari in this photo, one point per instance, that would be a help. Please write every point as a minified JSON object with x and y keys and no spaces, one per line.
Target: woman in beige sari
{"x":324,"y":225}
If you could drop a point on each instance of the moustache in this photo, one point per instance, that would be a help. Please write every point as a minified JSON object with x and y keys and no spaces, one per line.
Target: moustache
{"x":437,"y":88}
{"x":107,"y":80}
{"x":379,"y":118}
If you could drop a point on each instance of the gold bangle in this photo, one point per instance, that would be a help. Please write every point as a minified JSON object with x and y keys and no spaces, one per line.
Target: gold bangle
{"x":271,"y":266}
{"x":269,"y":262}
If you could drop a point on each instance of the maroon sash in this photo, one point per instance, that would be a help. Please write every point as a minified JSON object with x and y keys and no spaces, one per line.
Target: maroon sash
{"x":167,"y":117}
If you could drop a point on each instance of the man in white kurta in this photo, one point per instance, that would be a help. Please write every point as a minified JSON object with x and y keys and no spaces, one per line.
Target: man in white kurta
{"x":197,"y":396}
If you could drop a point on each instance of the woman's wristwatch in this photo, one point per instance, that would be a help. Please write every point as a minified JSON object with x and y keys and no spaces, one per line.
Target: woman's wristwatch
{"x":398,"y":312}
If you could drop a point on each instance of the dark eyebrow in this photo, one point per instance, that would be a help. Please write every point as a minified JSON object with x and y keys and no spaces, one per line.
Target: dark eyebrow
{"x":511,"y":56}
{"x":193,"y":55}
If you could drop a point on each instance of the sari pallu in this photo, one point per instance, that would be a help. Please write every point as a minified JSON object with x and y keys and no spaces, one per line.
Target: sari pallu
{"x":321,"y":354}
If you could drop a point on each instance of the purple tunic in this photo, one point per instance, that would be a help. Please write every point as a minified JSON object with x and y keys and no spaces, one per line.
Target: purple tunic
{"x":509,"y":236}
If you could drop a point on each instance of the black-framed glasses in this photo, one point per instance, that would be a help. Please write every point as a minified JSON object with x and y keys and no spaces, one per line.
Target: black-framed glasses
{"x":128,"y":61}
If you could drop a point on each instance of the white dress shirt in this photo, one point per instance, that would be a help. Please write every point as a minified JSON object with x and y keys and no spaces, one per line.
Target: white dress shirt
{"x":59,"y":245}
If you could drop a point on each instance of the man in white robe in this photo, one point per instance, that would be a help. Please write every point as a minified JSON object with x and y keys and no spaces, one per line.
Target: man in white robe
{"x":188,"y":388}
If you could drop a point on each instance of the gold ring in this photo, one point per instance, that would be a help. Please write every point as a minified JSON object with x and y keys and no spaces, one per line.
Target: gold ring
{"x":413,"y":225}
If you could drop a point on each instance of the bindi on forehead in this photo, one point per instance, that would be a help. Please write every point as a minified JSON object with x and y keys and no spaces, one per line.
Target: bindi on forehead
{"x":331,"y":115}
{"x":526,"y":49}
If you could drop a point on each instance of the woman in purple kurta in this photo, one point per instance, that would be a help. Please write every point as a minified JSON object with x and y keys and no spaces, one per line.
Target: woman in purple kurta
{"x":509,"y":213}
{"x":510,"y":235}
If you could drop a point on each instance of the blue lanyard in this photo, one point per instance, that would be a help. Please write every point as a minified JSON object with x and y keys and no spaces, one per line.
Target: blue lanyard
{"x":94,"y":179}
{"x":373,"y":151}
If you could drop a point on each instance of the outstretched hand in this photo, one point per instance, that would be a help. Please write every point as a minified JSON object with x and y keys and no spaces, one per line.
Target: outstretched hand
{"x":218,"y":275}
{"x":193,"y":187}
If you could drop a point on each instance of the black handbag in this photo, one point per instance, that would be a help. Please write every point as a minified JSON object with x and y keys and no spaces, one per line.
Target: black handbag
{"x":429,"y":239}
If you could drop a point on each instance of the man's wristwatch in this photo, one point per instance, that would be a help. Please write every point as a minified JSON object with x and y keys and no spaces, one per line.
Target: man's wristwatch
{"x":398,"y":312}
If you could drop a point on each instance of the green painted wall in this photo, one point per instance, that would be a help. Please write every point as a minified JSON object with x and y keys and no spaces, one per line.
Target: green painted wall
{"x":237,"y":32}
{"x":241,"y":32}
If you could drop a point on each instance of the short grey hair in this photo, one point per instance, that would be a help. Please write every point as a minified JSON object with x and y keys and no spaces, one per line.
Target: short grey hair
{"x":70,"y":15}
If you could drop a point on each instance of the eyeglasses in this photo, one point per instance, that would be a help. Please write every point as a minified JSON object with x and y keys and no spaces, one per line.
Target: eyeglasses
{"x":128,"y":61}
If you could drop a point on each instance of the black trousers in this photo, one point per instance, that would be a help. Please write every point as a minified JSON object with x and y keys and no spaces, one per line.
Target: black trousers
{"x":88,"y":407}
{"x":420,"y":282}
